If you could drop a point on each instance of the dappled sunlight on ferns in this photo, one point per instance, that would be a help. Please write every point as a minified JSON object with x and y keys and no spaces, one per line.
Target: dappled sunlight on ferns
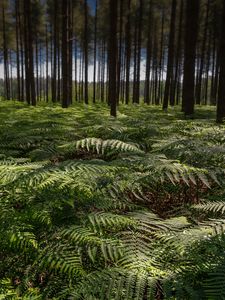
{"x":123,"y":209}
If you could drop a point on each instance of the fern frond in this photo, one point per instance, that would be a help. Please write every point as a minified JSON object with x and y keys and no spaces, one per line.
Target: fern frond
{"x":100,"y":146}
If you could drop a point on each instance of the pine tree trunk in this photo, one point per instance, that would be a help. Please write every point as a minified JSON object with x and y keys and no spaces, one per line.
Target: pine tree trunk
{"x":221,"y":88}
{"x":85,"y":52}
{"x":202,"y":58}
{"x":54,"y":67}
{"x":5,"y":56}
{"x":30,"y":78}
{"x":148,"y":56}
{"x":178,"y":56}
{"x":70,"y":45}
{"x":46,"y":60}
{"x":191,"y":31}
{"x":65,"y":53}
{"x":139,"y":40}
{"x":18,"y":51}
{"x":119,"y":65}
{"x":161,"y":58}
{"x":128,"y":54}
{"x":112,"y":56}
{"x":170,"y":61}
{"x":95,"y":51}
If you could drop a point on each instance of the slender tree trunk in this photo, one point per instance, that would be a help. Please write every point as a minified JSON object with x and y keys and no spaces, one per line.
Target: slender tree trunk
{"x":70,"y":45}
{"x":85,"y":52}
{"x":21,"y":54}
{"x":191,"y":31}
{"x":54,"y":67}
{"x":170,"y":61}
{"x":212,"y":98}
{"x":31,"y":55}
{"x":95,"y":50}
{"x":119,"y":65}
{"x":221,"y":88}
{"x":112,"y":55}
{"x":65,"y":53}
{"x":202,"y":57}
{"x":27,"y":84}
{"x":161,"y":58}
{"x":139,"y":39}
{"x":46,"y":46}
{"x":99,"y":73}
{"x":30,"y":82}
{"x":75,"y":71}
{"x":178,"y":55}
{"x":148,"y":56}
{"x":208,"y":60}
{"x":103,"y":72}
{"x":128,"y":54}
{"x":135,"y":58}
{"x":37,"y":69}
{"x":5,"y":56}
{"x":18,"y":51}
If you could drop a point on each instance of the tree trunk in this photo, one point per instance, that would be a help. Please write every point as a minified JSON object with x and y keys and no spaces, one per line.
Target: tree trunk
{"x":65,"y":53}
{"x":138,"y":57}
{"x":170,"y":61}
{"x":128,"y":54}
{"x":95,"y":50}
{"x":221,"y":88}
{"x":85,"y":52}
{"x":148,"y":56}
{"x":191,"y":31}
{"x":17,"y":51}
{"x":5,"y":56}
{"x":178,"y":56}
{"x":112,"y":56}
{"x":202,"y":58}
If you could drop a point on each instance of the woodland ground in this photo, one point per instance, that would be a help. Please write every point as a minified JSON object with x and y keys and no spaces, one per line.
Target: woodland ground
{"x":94,"y":207}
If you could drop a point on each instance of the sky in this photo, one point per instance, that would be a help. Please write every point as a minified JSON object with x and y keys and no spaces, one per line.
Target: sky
{"x":90,"y":71}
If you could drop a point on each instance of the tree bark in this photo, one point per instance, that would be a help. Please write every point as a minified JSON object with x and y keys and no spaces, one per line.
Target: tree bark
{"x":170,"y":61}
{"x":221,"y":88}
{"x":112,"y":56}
{"x":65,"y":53}
{"x":191,"y":31}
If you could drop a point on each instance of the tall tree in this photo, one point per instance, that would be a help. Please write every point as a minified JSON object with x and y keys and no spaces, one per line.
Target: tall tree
{"x":65,"y":53}
{"x":137,"y":52}
{"x":148,"y":56}
{"x":95,"y":51}
{"x":54,"y":67}
{"x":202,"y":56}
{"x":112,"y":56}
{"x":85,"y":52}
{"x":29,"y":63}
{"x":191,"y":32}
{"x":5,"y":53}
{"x":17,"y":5}
{"x":128,"y":53}
{"x":221,"y":89}
{"x":170,"y":60}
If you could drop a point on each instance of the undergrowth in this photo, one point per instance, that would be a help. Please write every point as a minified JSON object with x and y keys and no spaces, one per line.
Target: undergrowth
{"x":97,"y":208}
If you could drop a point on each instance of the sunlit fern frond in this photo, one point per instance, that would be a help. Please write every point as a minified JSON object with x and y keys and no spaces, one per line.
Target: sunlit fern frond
{"x":214,"y":207}
{"x":100,"y":146}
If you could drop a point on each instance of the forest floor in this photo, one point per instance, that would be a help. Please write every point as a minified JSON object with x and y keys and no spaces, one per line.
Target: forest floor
{"x":136,"y":201}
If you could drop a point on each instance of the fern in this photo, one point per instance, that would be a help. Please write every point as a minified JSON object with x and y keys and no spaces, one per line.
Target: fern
{"x":215,"y":207}
{"x":95,"y":208}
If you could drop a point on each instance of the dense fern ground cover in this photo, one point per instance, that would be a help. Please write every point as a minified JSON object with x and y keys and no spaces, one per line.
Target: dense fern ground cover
{"x":97,"y":208}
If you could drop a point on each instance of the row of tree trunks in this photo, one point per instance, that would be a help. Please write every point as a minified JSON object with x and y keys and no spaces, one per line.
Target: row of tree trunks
{"x":192,"y":66}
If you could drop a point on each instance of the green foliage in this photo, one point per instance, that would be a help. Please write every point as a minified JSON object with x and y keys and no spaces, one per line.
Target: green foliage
{"x":97,"y":208}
